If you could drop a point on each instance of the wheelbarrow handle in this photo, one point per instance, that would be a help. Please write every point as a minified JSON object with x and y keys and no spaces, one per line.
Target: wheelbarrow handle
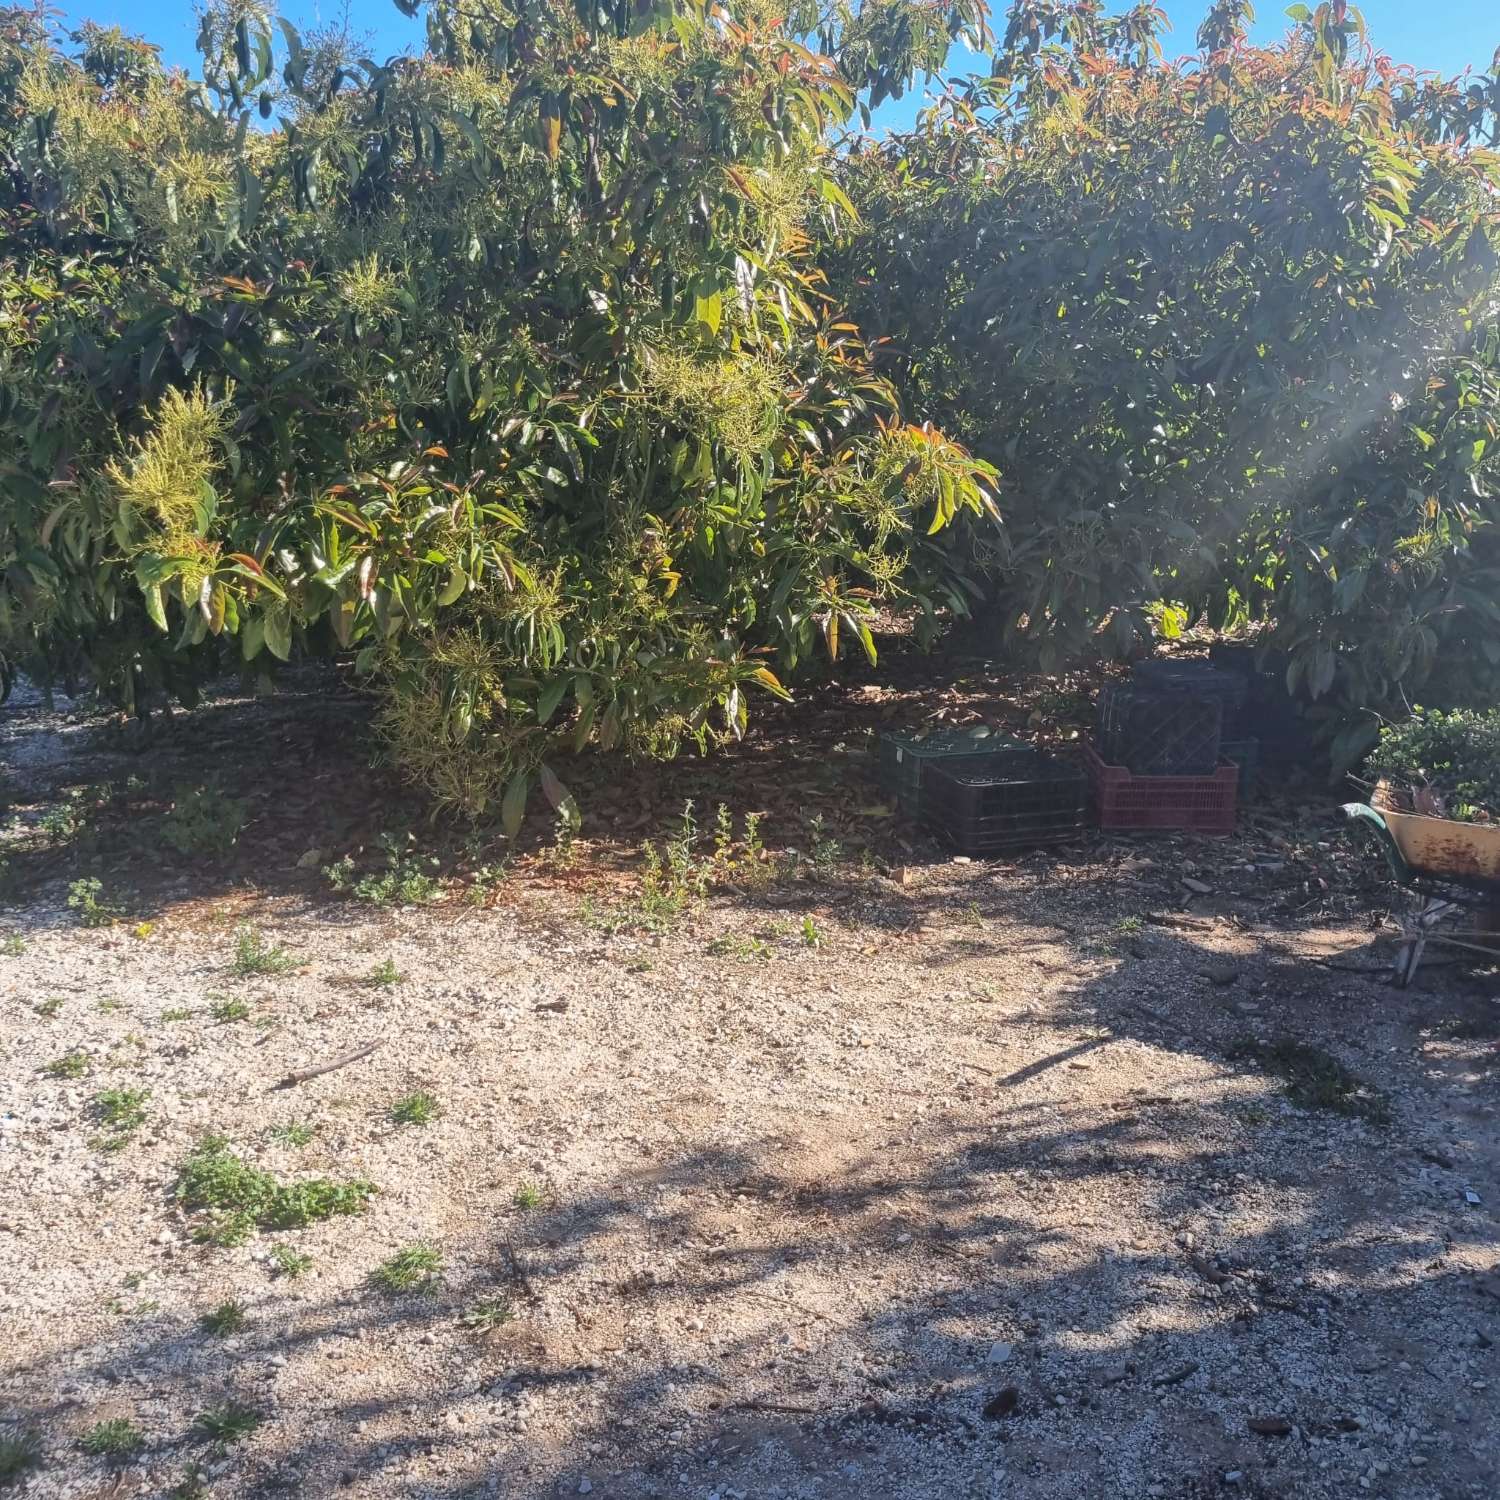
{"x":1362,"y":812}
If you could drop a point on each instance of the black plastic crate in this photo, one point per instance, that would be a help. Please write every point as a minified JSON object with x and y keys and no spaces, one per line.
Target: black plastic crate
{"x":1262,"y":672}
{"x":1152,"y":732}
{"x":1004,"y":801}
{"x":905,"y":754}
{"x":1245,"y":753}
{"x":1197,"y":678}
{"x":1287,"y":743}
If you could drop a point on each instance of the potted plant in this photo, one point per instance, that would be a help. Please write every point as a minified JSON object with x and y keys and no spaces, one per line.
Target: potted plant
{"x":1437,"y":788}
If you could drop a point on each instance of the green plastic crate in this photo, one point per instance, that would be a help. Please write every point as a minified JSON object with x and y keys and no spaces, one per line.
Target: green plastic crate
{"x":905,"y":752}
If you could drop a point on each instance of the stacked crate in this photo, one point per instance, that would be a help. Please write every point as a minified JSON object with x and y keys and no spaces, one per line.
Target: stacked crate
{"x":997,"y":804}
{"x":984,"y":793}
{"x":1159,"y":762}
{"x":906,"y":755}
{"x":1283,"y":734}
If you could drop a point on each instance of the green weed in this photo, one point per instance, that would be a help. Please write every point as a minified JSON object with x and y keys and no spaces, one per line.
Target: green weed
{"x":288,"y":1262}
{"x":406,"y":879}
{"x":235,"y":1198}
{"x":64,"y":820}
{"x":112,"y":1439}
{"x":418,"y":1268}
{"x":745,"y":950}
{"x":528,"y":1196}
{"x":72,"y":1064}
{"x":484,"y":882}
{"x":811,"y":937}
{"x":293,"y":1133}
{"x":123,"y":1111}
{"x":227,"y":1423}
{"x":203,"y":821}
{"x":227,"y":1008}
{"x":489,"y":1313}
{"x":253,"y":955}
{"x":20,"y":1450}
{"x":192,"y":1485}
{"x":228,"y":1317}
{"x":1313,"y":1078}
{"x":385,"y":974}
{"x":415,"y":1109}
{"x":84,"y":898}
{"x":48,"y":1007}
{"x":13,"y":945}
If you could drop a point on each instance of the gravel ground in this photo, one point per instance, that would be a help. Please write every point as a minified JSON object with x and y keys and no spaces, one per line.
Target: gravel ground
{"x":977,"y":1193}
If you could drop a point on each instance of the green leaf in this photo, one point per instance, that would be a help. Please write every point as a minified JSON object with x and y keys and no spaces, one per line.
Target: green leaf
{"x":513,"y":803}
{"x":709,"y":311}
{"x":278,"y":633}
{"x":154,"y":606}
{"x":457,"y":582}
{"x":551,"y":696}
{"x":559,"y":796}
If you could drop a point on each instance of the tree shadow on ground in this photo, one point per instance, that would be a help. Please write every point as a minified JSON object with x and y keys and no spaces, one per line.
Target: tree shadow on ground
{"x":1300,"y":1298}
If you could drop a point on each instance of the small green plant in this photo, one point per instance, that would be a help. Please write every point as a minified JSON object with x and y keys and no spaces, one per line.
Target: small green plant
{"x":72,"y":1064}
{"x":1445,"y":765}
{"x":563,"y":854}
{"x":112,"y":1439}
{"x":177,"y":1013}
{"x":13,"y":946}
{"x":48,"y":1007}
{"x":484,"y":882}
{"x":64,"y":820}
{"x":20,"y":1450}
{"x":385,"y":974}
{"x":228,"y":1008}
{"x":489,"y":1313}
{"x":672,"y":878}
{"x":227,"y":1423}
{"x":235,"y":1198}
{"x":1128,"y":926}
{"x":228,"y":1317}
{"x":811,"y":937}
{"x":192,"y":1485}
{"x":528,"y":1196}
{"x":108,"y":1005}
{"x":288,"y":1262}
{"x":746,"y":950}
{"x":84,"y":898}
{"x":123,"y":1111}
{"x":253,"y":955}
{"x":419,"y":1108}
{"x":742,"y":861}
{"x":1313,"y":1078}
{"x":417,"y":1268}
{"x":824,"y":852}
{"x":203,"y":821}
{"x":406,"y":880}
{"x":293,"y":1133}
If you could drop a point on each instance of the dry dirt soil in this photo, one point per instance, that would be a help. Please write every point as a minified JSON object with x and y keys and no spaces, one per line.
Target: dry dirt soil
{"x":1116,"y":1170}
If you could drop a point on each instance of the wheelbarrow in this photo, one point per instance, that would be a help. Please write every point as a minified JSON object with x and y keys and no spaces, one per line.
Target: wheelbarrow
{"x":1453,"y":868}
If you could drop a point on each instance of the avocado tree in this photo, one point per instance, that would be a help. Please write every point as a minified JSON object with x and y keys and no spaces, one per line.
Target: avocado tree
{"x":1229,"y":328}
{"x":507,"y":368}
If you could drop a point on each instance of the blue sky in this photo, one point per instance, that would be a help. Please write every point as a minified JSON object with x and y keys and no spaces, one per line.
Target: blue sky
{"x":1442,"y":36}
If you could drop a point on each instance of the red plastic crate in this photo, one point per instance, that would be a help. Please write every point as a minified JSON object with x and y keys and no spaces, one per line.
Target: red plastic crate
{"x":1201,"y":804}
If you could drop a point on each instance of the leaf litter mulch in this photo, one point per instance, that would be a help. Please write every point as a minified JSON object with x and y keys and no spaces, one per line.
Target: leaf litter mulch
{"x":831,"y":1167}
